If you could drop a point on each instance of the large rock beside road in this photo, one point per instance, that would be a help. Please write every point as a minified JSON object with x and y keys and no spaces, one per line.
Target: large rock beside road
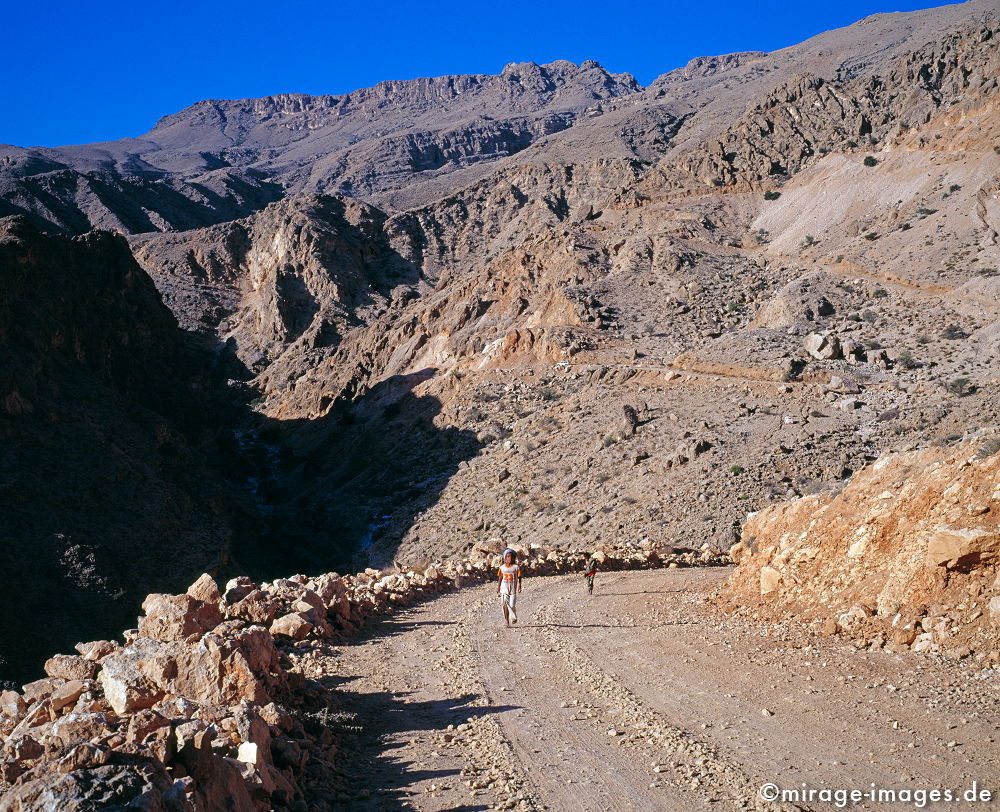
{"x":913,"y":539}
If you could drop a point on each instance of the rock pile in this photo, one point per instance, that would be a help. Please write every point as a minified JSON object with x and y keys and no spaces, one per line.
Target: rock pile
{"x":906,"y":556}
{"x":196,"y":710}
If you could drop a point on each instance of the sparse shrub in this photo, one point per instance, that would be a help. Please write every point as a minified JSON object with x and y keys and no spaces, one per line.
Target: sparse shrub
{"x":870,"y":160}
{"x":761,"y":236}
{"x":736,"y":470}
{"x":547,"y":393}
{"x":958,"y":386}
{"x":839,"y":258}
{"x":772,"y":195}
{"x":808,"y":241}
{"x":988,"y":449}
{"x":923,"y":339}
{"x":926,"y":212}
{"x":987,"y":272}
{"x":953,"y":332}
{"x":869,"y":316}
{"x":905,"y":227}
{"x":880,"y":293}
{"x":872,"y":344}
{"x":475,"y":414}
{"x":871,"y":235}
{"x":733,"y":307}
{"x":954,"y":188}
{"x":608,"y":441}
{"x":906,"y":360}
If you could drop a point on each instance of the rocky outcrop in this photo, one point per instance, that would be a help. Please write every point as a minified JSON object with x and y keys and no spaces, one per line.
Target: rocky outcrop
{"x":809,"y":116}
{"x":907,"y":555}
{"x":291,"y":279}
{"x":201,"y":708}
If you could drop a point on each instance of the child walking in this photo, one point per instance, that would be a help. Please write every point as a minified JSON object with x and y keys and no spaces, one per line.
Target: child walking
{"x":591,"y":571}
{"x":508,"y":585}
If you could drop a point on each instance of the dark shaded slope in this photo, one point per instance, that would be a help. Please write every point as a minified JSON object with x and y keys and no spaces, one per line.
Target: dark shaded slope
{"x":108,"y":486}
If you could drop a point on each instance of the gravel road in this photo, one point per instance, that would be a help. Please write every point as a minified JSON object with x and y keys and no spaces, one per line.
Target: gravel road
{"x":643,"y":696}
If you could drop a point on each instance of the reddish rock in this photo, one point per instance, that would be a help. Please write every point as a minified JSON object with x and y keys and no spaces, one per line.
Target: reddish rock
{"x":238,"y":588}
{"x":40,"y":688}
{"x":67,"y":693}
{"x":295,"y":625}
{"x":81,"y":727}
{"x":97,"y":650}
{"x":176,"y":617}
{"x":205,"y":589}
{"x":256,"y":607}
{"x":71,"y":667}
{"x":144,"y":722}
{"x":224,"y":670}
{"x":12,"y":704}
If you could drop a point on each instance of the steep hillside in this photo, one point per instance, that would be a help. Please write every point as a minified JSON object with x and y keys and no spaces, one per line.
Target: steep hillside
{"x":110,"y":481}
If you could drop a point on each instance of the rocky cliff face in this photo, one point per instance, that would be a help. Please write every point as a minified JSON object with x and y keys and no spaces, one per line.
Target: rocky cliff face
{"x":907,"y":555}
{"x":109,"y":479}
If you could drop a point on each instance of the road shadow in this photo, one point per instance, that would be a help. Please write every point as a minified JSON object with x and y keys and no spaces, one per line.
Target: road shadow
{"x":366,"y":729}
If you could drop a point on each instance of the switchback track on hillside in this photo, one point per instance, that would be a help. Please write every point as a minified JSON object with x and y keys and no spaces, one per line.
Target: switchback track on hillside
{"x":643,"y":696}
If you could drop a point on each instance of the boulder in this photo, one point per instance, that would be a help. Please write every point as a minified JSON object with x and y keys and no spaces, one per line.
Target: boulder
{"x":126,"y":688}
{"x":223,"y":670}
{"x":176,"y":617}
{"x":67,"y":693}
{"x":143,"y":785}
{"x":70,"y":666}
{"x":96,"y":650}
{"x":40,"y":688}
{"x":74,"y":728}
{"x":295,"y":625}
{"x":823,"y":346}
{"x":845,"y":385}
{"x":12,"y":705}
{"x":959,"y":548}
{"x":770,"y":578}
{"x":256,"y":607}
{"x":238,"y":588}
{"x":205,"y":589}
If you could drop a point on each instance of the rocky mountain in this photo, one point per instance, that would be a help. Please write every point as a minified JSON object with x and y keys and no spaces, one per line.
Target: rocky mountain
{"x":111,"y":473}
{"x":552,"y":304}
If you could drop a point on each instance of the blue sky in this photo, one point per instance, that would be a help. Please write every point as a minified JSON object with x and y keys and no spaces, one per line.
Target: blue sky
{"x":92,"y":71}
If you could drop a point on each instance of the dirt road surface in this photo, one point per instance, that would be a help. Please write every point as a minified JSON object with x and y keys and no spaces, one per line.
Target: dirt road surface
{"x":643,"y":697}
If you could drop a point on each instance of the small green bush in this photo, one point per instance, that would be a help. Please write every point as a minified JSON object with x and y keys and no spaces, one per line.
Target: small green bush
{"x":988,"y":449}
{"x":953,"y":332}
{"x":736,"y":470}
{"x":906,"y":360}
{"x":958,"y":386}
{"x":870,"y":161}
{"x":772,"y":195}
